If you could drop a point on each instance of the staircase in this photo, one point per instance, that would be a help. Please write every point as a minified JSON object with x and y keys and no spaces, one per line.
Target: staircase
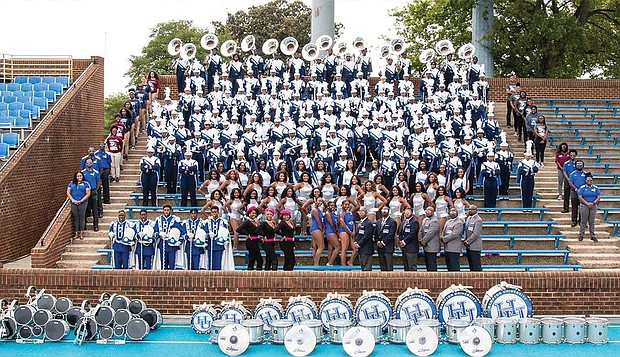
{"x":82,"y":254}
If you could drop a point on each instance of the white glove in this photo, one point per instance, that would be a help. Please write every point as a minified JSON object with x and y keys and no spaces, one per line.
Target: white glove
{"x":190,"y":235}
{"x":111,"y":235}
{"x":163,"y":235}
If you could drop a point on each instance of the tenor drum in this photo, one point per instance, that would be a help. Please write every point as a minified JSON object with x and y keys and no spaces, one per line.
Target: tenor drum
{"x":74,"y":314}
{"x":88,"y":326}
{"x":152,"y":317}
{"x":279,"y":328}
{"x":433,"y":325}
{"x":506,"y":330}
{"x":9,"y":328}
{"x":37,"y":331}
{"x":23,"y":314}
{"x":374,"y":326}
{"x":300,"y":308}
{"x":137,"y":329}
{"x":335,"y":307}
{"x":315,"y":326}
{"x":414,"y":305}
{"x":552,"y":330}
{"x":597,"y":330}
{"x":216,"y":327}
{"x":468,"y":305}
{"x":268,"y":310}
{"x":234,"y":312}
{"x":454,"y":328}
{"x":122,"y":317}
{"x":487,"y":324}
{"x":397,"y":330}
{"x":203,"y":318}
{"x":118,"y":331}
{"x":46,"y":302}
{"x":106,"y":333}
{"x":255,"y":330}
{"x":529,"y":331}
{"x":25,"y":332}
{"x":136,"y":306}
{"x":63,"y":305}
{"x":41,"y":317}
{"x":337,"y":328}
{"x":574,"y":330}
{"x":56,"y":330}
{"x":119,"y":302}
{"x":104,"y":315}
{"x":373,"y":305}
{"x":506,"y":300}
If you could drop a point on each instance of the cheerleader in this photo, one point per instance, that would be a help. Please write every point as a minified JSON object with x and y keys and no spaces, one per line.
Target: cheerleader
{"x":271,"y":201}
{"x":420,"y":199}
{"x":212,"y":184}
{"x":328,"y":187}
{"x":289,"y":201}
{"x":346,"y":232}
{"x":397,"y":204}
{"x":331,"y":232}
{"x":460,"y":203}
{"x":442,"y":203}
{"x":286,"y":229}
{"x":369,"y":197}
{"x":317,"y":226}
{"x":304,"y":188}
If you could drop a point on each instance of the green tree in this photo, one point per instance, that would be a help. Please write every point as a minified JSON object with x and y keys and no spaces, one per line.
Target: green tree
{"x":532,"y":38}
{"x":111,"y":105}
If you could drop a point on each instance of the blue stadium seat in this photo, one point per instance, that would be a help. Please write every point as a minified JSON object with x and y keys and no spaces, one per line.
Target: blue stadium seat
{"x":3,"y":105}
{"x":56,"y":87}
{"x":34,"y":79}
{"x":16,"y":106}
{"x":26,"y":87}
{"x":14,"y":113}
{"x":13,"y":86}
{"x":50,"y":95}
{"x":32,"y":108}
{"x":48,"y":79}
{"x":39,"y":94}
{"x":40,"y":102}
{"x":21,"y":79}
{"x":4,"y":151}
{"x":6,"y":122}
{"x":4,"y":113}
{"x":41,"y":87}
{"x":24,"y":99}
{"x":12,"y":139}
{"x":2,"y":87}
{"x":9,"y":98}
{"x":5,"y":93}
{"x":22,"y":123}
{"x":63,"y":80}
{"x":25,"y":113}
{"x":18,"y":93}
{"x":29,"y":93}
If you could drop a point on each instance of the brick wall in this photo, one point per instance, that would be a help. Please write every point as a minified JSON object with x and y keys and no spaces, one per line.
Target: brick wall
{"x":174,"y":292}
{"x":55,"y":242}
{"x":33,"y":183}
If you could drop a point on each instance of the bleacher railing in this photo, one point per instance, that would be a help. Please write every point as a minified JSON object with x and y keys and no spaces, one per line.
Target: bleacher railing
{"x":33,"y":65}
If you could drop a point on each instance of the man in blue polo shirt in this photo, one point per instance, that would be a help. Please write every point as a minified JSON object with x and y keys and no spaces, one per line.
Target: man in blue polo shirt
{"x":589,"y":195}
{"x":576,"y":179}
{"x":93,"y":178}
{"x":567,"y":169}
{"x":105,"y":161}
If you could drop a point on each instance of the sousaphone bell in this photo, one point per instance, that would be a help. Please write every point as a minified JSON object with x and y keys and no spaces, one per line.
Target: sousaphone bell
{"x":174,"y":46}
{"x":289,"y":46}
{"x":310,"y":52}
{"x":248,"y":43}
{"x":228,"y":48}
{"x":324,"y":42}
{"x":188,"y":51}
{"x":209,"y":41}
{"x":270,"y":46}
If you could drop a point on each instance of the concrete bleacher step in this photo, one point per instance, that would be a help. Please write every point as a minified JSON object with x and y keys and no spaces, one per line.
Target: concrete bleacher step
{"x":84,"y":247}
{"x":600,"y":263}
{"x":573,"y":234}
{"x":603,"y":248}
{"x":76,"y":264}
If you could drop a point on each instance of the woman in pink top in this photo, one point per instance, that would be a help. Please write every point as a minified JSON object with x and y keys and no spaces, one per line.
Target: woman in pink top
{"x":561,"y":156}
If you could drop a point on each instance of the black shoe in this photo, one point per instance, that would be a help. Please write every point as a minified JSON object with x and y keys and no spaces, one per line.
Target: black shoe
{"x":117,"y":179}
{"x":574,"y":224}
{"x":100,"y":215}
{"x":111,"y":179}
{"x":594,"y":239}
{"x":580,"y":238}
{"x":564,"y":211}
{"x":96,"y":229}
{"x":106,"y":202}
{"x":121,"y":167}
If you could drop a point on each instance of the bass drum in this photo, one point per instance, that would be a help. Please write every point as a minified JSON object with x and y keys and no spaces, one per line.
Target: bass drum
{"x":268,"y":310}
{"x":122,"y":317}
{"x":23,"y":314}
{"x":506,"y":300}
{"x":457,"y":295}
{"x":41,"y":317}
{"x":25,"y":332}
{"x":106,"y":333}
{"x":56,"y":330}
{"x":152,"y":317}
{"x":46,"y":302}
{"x":9,"y":330}
{"x":74,"y":314}
{"x":300,"y":308}
{"x":414,"y":305}
{"x":63,"y":305}
{"x":335,"y":307}
{"x":138,"y":329}
{"x":119,"y":302}
{"x":202,"y":319}
{"x":104,"y":315}
{"x":88,"y":326}
{"x":374,"y":305}
{"x":234,"y":312}
{"x":119,"y":331}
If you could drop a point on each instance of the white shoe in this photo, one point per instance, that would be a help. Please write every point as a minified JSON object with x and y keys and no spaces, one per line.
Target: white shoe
{"x":542,"y":164}
{"x":560,"y":198}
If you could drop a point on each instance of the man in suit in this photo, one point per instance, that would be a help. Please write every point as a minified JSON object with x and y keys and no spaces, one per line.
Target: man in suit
{"x":430,"y":239}
{"x":384,"y":238}
{"x":408,"y":240}
{"x":451,"y":238}
{"x":364,"y":237}
{"x":473,"y":238}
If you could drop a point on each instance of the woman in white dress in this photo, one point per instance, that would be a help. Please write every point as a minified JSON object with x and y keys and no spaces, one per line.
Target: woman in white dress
{"x":422,"y":173}
{"x":262,"y":170}
{"x":397,"y":204}
{"x":369,"y":197}
{"x":380,"y":187}
{"x":328,"y":187}
{"x":281,"y":183}
{"x":459,"y":182}
{"x":242,"y":171}
{"x":231,"y":182}
{"x":270,"y":201}
{"x":317,"y":174}
{"x":443,"y":203}
{"x":420,"y":201}
{"x":375,"y":169}
{"x":289,"y":201}
{"x":304,"y":189}
{"x":432,"y":185}
{"x":355,"y":187}
{"x":216,"y":199}
{"x":460,"y":203}
{"x":348,"y":172}
{"x":441,"y":175}
{"x":234,"y":208}
{"x":211,"y":184}
{"x":255,"y":183}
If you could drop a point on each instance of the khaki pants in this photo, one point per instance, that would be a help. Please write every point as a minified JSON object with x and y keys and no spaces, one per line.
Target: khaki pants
{"x":115,"y":168}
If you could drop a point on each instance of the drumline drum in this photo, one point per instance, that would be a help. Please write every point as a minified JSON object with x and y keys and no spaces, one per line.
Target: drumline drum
{"x":506,"y":300}
{"x":119,"y":331}
{"x":373,"y":305}
{"x":122,"y":317}
{"x":397,"y":330}
{"x":25,"y":332}
{"x":56,"y":330}
{"x":529,"y":331}
{"x":41,"y":317}
{"x":152,"y":317}
{"x":597,"y":330}
{"x":422,"y":340}
{"x":8,"y":328}
{"x":45,"y":301}
{"x":335,"y":307}
{"x":552,"y":330}
{"x":453,"y":330}
{"x":433,"y":325}
{"x":63,"y":305}
{"x":74,"y":314}
{"x":106,"y":333}
{"x":279,"y":328}
{"x":234,"y":311}
{"x":119,"y":302}
{"x":216,"y":327}
{"x":203,"y":318}
{"x":413,"y":305}
{"x":337,"y":328}
{"x":458,"y":295}
{"x":574,"y":330}
{"x":24,"y":313}
{"x":104,"y":315}
{"x":88,"y":326}
{"x":488,"y":324}
{"x":255,"y":329}
{"x":300,"y":308}
{"x":374,"y":326}
{"x":268,"y":310}
{"x":137,"y":329}
{"x":506,"y":330}
{"x":136,"y":306}
{"x":315,"y":326}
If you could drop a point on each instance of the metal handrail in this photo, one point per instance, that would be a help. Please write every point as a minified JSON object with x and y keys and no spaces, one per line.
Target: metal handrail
{"x":52,"y":222}
{"x":9,"y":69}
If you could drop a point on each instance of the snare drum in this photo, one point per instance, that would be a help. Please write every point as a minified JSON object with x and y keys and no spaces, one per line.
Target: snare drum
{"x":10,"y":328}
{"x":337,"y":328}
{"x":487,"y":324}
{"x":506,"y":300}
{"x":255,"y":329}
{"x":414,"y":305}
{"x":458,"y":295}
{"x":597,"y":330}
{"x":529,"y":331}
{"x":374,"y":326}
{"x":268,"y":310}
{"x":574,"y":330}
{"x":216,"y":327}
{"x":137,"y":329}
{"x":63,"y":305}
{"x":335,"y":307}
{"x":397,"y":330}
{"x":46,"y":302}
{"x":373,"y":305}
{"x":122,"y":317}
{"x":41,"y":317}
{"x":203,"y":318}
{"x":119,"y":302}
{"x":317,"y":327}
{"x":300,"y":308}
{"x":433,"y":325}
{"x":56,"y":330}
{"x":453,"y":330}
{"x":152,"y":317}
{"x":506,"y":330}
{"x":234,"y":312}
{"x":136,"y":306}
{"x":279,"y":328}
{"x":104,"y":315}
{"x":87,"y":326}
{"x":23,"y":314}
{"x":552,"y":330}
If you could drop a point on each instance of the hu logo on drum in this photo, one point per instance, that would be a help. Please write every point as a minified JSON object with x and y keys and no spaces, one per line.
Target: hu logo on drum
{"x":267,"y":316}
{"x":459,"y":311}
{"x":374,"y":313}
{"x":415,"y":313}
{"x":334,"y":313}
{"x":234,"y":317}
{"x":507,"y":308}
{"x":300,"y":315}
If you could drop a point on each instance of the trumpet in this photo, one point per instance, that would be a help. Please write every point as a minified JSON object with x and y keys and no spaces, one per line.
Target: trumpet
{"x":209,"y":41}
{"x":324,"y":42}
{"x":270,"y":46}
{"x":174,"y":46}
{"x":248,"y":43}
{"x":310,"y":52}
{"x":228,"y":48}
{"x":289,"y":46}
{"x":466,"y":52}
{"x":188,"y":51}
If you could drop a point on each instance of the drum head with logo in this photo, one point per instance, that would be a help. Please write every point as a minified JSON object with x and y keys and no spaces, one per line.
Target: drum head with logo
{"x":414,"y":307}
{"x":119,"y":331}
{"x":267,"y":312}
{"x":335,"y":308}
{"x":299,"y":310}
{"x":421,"y":340}
{"x":25,"y":332}
{"x":23,"y":314}
{"x":458,"y":304}
{"x":300,"y":340}
{"x":46,"y":301}
{"x":137,"y":329}
{"x":511,"y":303}
{"x":358,"y":341}
{"x":233,"y":339}
{"x":234,"y":312}
{"x":375,"y":306}
{"x":41,"y":317}
{"x":136,"y":306}
{"x":202,"y":320}
{"x":122,"y":317}
{"x":119,"y":302}
{"x":74,"y":314}
{"x":475,"y":341}
{"x":63,"y":305}
{"x":56,"y":330}
{"x":104,"y":315}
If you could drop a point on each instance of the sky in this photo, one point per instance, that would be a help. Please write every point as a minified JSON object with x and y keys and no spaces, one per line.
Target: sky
{"x":116,"y":29}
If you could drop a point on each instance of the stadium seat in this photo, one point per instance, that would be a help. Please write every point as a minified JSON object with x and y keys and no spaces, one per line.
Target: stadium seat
{"x":41,"y":87}
{"x":40,"y":102}
{"x":9,"y":98}
{"x":21,"y":79}
{"x":63,"y":80}
{"x":24,"y":99}
{"x":48,"y":79}
{"x":6,"y":122}
{"x":4,"y":151}
{"x":18,"y":93}
{"x":13,"y":86}
{"x":56,"y":87}
{"x":16,"y":106}
{"x":26,"y":87}
{"x":2,"y":87}
{"x":22,"y":123}
{"x":39,"y":94}
{"x":3,"y":105}
{"x":12,"y":139}
{"x":34,"y":110}
{"x":25,"y":113}
{"x":5,"y":93}
{"x":14,"y":112}
{"x":4,"y":113}
{"x":50,"y":95}
{"x":34,"y":79}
